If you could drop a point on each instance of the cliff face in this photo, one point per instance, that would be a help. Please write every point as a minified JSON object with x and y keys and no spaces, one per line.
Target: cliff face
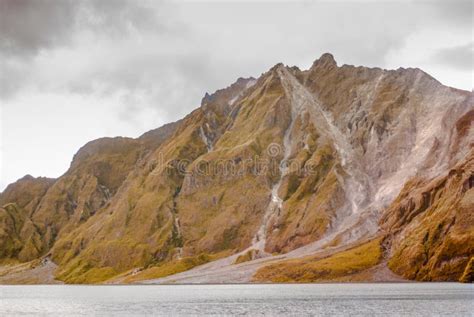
{"x":20,"y":239}
{"x":325,"y":157}
{"x":430,"y":225}
{"x":36,"y":212}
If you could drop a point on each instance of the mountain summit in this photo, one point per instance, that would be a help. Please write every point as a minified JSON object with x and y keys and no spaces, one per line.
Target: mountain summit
{"x":332,"y":173}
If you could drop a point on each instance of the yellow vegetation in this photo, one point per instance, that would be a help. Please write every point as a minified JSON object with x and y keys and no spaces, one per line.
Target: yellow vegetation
{"x":312,"y":269}
{"x":169,"y":268}
{"x":440,"y":246}
{"x":247,"y":256}
{"x":468,"y":275}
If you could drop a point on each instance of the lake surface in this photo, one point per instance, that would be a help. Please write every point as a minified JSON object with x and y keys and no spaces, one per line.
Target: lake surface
{"x":409,"y":299}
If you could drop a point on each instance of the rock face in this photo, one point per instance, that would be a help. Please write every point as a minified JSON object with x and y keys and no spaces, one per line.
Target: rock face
{"x":19,"y":236}
{"x":431,"y":225}
{"x":325,"y":157}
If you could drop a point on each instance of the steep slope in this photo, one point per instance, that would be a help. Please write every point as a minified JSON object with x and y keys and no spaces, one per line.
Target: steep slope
{"x":142,"y":224}
{"x":430,"y":225}
{"x":37,"y":211}
{"x":394,"y":121}
{"x":20,"y":238}
{"x":292,"y":164}
{"x":419,"y":121}
{"x":96,"y":172}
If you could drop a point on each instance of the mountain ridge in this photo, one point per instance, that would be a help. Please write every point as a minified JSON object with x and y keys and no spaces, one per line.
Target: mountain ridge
{"x":353,"y":139}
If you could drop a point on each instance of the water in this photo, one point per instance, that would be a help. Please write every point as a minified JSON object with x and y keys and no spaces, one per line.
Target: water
{"x":409,"y":299}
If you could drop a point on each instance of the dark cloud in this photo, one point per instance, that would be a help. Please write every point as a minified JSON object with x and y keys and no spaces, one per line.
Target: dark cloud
{"x":32,"y":29}
{"x":27,"y":26}
{"x":168,"y":55}
{"x":128,"y":66}
{"x":457,"y":57}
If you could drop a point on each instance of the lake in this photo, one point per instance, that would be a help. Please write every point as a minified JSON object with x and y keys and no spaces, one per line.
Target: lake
{"x":394,"y":299}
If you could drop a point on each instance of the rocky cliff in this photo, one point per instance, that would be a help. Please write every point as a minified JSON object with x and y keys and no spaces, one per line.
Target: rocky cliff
{"x":286,"y":165}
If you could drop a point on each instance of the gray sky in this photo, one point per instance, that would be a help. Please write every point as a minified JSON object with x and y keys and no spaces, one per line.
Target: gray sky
{"x":72,"y":71}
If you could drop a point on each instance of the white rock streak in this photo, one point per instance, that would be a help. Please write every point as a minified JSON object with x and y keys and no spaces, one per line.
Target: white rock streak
{"x":249,"y":84}
{"x":357,"y":184}
{"x":276,"y":203}
{"x":177,"y":225}
{"x":205,"y":139}
{"x":400,"y":152}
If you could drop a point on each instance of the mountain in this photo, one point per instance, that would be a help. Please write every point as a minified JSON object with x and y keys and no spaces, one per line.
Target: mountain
{"x":330,"y":173}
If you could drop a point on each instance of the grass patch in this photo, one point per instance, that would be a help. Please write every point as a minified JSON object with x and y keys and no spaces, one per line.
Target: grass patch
{"x":170,"y":268}
{"x":247,"y":256}
{"x":85,"y":274}
{"x":312,"y":269}
{"x":94,"y":276}
{"x":468,"y":275}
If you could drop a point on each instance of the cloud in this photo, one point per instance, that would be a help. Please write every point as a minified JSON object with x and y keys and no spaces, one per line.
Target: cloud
{"x":457,"y":57}
{"x":28,"y":26}
{"x":458,"y":13}
{"x":167,"y":55}
{"x":75,"y":70}
{"x":68,"y":45}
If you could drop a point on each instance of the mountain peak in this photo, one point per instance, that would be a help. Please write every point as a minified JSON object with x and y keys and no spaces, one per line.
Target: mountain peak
{"x":360,"y":154}
{"x":276,"y":67}
{"x":227,"y":94}
{"x":326,"y":60}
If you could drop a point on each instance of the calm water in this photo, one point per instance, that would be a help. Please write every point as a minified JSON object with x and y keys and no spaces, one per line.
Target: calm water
{"x":285,"y":300}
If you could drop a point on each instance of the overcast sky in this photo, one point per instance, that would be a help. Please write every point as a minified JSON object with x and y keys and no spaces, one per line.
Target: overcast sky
{"x":72,"y":71}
